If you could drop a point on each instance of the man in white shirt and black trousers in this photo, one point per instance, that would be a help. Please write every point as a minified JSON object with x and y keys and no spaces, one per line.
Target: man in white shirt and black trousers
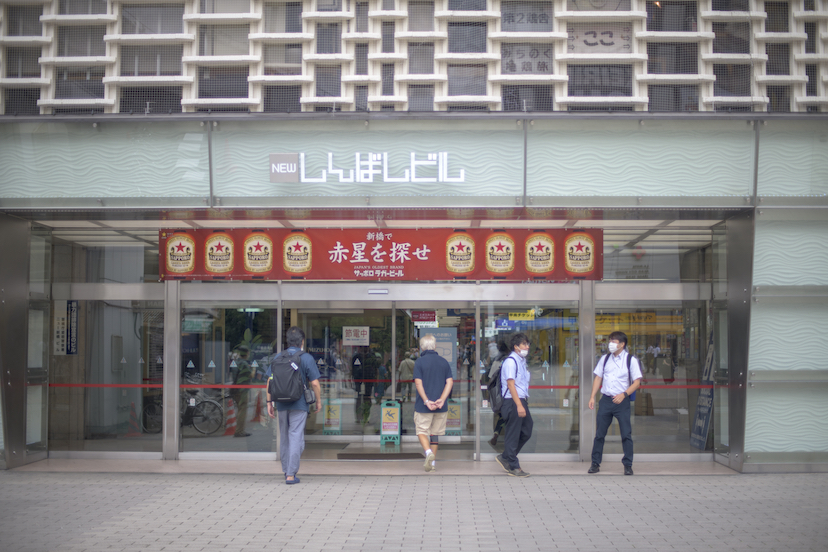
{"x":514,"y":378}
{"x":616,"y":383}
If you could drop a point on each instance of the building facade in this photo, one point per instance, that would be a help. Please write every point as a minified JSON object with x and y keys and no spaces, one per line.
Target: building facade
{"x":181,"y":182}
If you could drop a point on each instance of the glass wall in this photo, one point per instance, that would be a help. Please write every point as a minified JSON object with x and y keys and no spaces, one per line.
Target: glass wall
{"x":553,"y":363}
{"x":670,"y":341}
{"x":226,"y":350}
{"x":106,"y":362}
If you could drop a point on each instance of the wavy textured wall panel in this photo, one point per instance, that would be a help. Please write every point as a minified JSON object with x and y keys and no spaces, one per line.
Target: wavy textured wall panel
{"x":642,"y":162}
{"x":786,"y":337}
{"x":55,"y":160}
{"x":786,"y":418}
{"x":793,"y":162}
{"x":492,"y":162}
{"x":791,"y":253}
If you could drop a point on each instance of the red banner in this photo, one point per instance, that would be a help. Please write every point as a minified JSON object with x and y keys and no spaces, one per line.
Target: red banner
{"x":388,"y":255}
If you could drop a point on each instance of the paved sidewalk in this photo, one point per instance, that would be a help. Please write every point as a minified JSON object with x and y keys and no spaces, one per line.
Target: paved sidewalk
{"x":74,"y":511}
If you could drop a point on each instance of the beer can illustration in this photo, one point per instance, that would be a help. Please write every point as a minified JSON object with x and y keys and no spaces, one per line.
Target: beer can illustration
{"x":180,"y":254}
{"x":460,"y":254}
{"x":297,"y":254}
{"x":500,"y":254}
{"x":539,"y":254}
{"x":219,"y":253}
{"x":579,"y":254}
{"x":258,"y":253}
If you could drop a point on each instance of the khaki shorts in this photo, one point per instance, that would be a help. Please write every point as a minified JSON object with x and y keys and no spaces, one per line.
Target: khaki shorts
{"x":431,"y":423}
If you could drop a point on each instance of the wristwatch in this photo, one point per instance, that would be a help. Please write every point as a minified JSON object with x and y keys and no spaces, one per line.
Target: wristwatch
{"x":625,"y":395}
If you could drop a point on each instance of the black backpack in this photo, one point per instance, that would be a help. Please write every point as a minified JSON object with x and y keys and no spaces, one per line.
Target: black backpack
{"x":629,"y":371}
{"x":495,"y":386}
{"x":286,"y":383}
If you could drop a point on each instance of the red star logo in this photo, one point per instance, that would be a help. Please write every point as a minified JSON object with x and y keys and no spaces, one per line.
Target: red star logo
{"x":460,"y":246}
{"x":579,"y":247}
{"x":219,"y":247}
{"x":297,"y":247}
{"x":499,"y":246}
{"x":179,"y":247}
{"x":539,"y":247}
{"x":258,"y":246}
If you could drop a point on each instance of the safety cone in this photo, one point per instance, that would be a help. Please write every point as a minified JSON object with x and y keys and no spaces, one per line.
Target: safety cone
{"x":257,"y":416}
{"x":231,"y":418}
{"x":134,"y":430}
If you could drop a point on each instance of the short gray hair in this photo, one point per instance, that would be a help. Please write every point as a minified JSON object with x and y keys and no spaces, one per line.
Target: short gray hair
{"x":428,"y":342}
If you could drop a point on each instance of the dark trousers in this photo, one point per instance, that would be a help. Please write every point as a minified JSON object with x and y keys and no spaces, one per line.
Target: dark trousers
{"x":607,"y":410}
{"x":518,"y":431}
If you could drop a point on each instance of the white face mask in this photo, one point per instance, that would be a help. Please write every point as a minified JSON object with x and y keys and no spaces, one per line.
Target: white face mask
{"x":612,"y":347}
{"x":524,"y":353}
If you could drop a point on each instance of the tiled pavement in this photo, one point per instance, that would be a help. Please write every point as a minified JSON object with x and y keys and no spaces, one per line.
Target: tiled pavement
{"x":199,"y":505}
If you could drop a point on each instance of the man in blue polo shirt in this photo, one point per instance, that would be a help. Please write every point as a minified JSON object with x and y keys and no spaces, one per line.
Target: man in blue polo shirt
{"x":292,"y":416}
{"x":616,"y":383}
{"x":514,"y":382}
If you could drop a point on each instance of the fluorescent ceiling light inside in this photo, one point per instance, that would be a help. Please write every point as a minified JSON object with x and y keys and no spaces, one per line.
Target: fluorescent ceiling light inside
{"x":241,"y":223}
{"x":124,"y":224}
{"x":617,"y":223}
{"x":67,"y":223}
{"x":333,"y":223}
{"x":428,"y":223}
{"x":537,"y":223}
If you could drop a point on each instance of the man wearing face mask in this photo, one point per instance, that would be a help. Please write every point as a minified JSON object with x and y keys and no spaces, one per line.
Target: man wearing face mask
{"x":514,"y":382}
{"x":617,"y":376}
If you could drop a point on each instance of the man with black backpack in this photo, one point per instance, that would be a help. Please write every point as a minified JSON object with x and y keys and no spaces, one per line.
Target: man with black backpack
{"x":287,"y":392}
{"x":617,"y":375}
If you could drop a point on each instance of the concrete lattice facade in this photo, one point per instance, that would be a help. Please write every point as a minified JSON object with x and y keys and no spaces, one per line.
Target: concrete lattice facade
{"x":65,"y":56}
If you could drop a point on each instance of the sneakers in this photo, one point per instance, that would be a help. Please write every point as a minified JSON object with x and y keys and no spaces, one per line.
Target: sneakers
{"x":429,"y":462}
{"x":594,"y":468}
{"x":518,"y":473}
{"x":628,"y":470}
{"x":503,"y":464}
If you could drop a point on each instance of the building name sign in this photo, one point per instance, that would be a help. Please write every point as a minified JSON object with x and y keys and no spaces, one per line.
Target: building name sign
{"x":365,"y":167}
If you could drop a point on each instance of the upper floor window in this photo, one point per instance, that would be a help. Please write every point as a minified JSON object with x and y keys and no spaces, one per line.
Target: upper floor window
{"x":731,"y":38}
{"x":526,"y":59}
{"x":420,"y":16}
{"x":283,"y":59}
{"x":672,"y":58}
{"x":361,"y":59}
{"x":152,"y":18}
{"x":283,"y":17}
{"x":388,"y":36}
{"x":467,"y":80}
{"x":328,"y":38}
{"x":600,"y":80}
{"x":361,"y":20}
{"x":777,"y":21}
{"x":592,"y":5}
{"x":22,"y":63}
{"x":730,"y":5}
{"x":466,"y":37}
{"x":141,"y":61}
{"x":467,"y":5}
{"x":672,"y":16}
{"x":223,"y":40}
{"x":329,"y":5}
{"x":420,"y":58}
{"x":81,"y":7}
{"x":532,"y":17}
{"x":81,"y":41}
{"x":24,"y":20}
{"x":225,"y":6}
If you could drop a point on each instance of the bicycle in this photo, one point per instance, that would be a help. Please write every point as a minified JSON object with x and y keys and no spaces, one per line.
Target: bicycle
{"x":205,"y":415}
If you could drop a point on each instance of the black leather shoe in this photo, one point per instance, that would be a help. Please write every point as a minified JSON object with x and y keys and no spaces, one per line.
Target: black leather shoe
{"x":628,"y":470}
{"x":594,"y":468}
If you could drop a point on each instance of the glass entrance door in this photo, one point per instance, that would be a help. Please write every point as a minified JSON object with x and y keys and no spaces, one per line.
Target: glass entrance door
{"x":553,"y":361}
